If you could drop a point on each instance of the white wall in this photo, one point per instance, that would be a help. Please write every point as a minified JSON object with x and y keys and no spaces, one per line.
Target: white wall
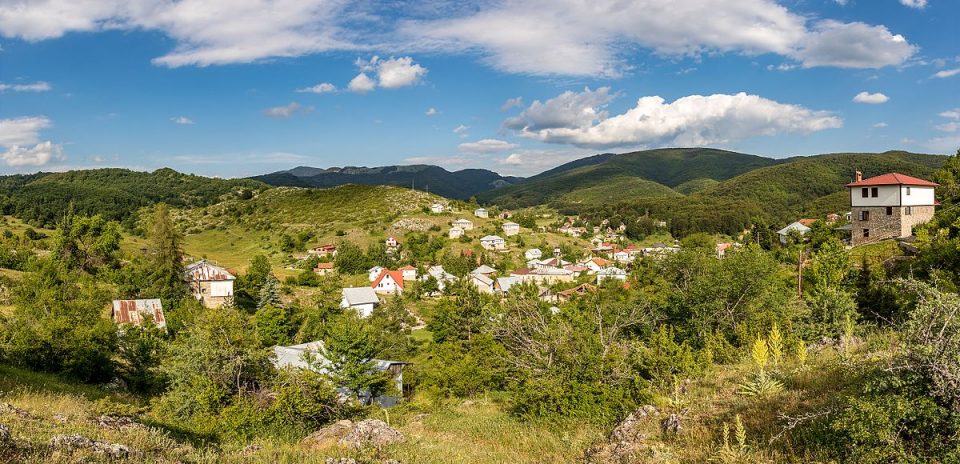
{"x":221,"y":288}
{"x":919,"y":196}
{"x":888,"y":195}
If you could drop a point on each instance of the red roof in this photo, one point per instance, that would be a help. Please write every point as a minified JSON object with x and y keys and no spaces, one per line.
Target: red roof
{"x":324,"y":266}
{"x":893,"y":178}
{"x":397,"y":277}
{"x":408,"y":268}
{"x":807,"y":222}
{"x":521,"y":271}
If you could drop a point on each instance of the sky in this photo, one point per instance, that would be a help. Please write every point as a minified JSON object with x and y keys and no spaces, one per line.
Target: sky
{"x":235,"y":88}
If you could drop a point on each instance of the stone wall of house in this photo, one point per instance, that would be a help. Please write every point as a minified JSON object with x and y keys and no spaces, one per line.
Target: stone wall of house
{"x":204,"y":295}
{"x":918,"y":215}
{"x":886,"y":226}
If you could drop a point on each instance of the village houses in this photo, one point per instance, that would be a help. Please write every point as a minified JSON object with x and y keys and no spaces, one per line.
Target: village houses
{"x":493,"y":242}
{"x":409,"y":272}
{"x":211,"y":285}
{"x":388,"y":282}
{"x":455,"y":232}
{"x":464,"y":224}
{"x":361,"y":299}
{"x":323,"y":269}
{"x":533,"y":253}
{"x":799,"y":228}
{"x":436,"y":208}
{"x":611,"y":273}
{"x":324,"y":251}
{"x":889,"y":206}
{"x":136,"y":312}
{"x":481,"y":213}
{"x":374,"y":272}
{"x":511,"y":228}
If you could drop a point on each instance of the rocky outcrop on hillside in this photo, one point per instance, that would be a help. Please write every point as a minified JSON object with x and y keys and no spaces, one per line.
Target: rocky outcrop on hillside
{"x":369,"y":433}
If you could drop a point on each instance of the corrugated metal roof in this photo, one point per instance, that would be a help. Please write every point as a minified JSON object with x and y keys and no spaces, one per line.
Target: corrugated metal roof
{"x":133,"y":311}
{"x":360,"y":296}
{"x":203,"y":271}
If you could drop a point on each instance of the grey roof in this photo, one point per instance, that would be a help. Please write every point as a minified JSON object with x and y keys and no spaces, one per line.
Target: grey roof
{"x":795,"y":226}
{"x":491,"y":238}
{"x":356,"y":296}
{"x":295,"y":356}
{"x":203,"y":271}
{"x":612,"y":271}
{"x":506,"y":282}
{"x":484,"y":269}
{"x":483,"y":279}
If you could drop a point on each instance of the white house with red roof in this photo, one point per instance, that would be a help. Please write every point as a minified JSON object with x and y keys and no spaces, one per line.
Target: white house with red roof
{"x":889,"y":206}
{"x":390,"y":282}
{"x":210,"y":284}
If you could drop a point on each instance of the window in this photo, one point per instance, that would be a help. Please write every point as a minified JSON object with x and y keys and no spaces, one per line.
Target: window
{"x":907,"y":211}
{"x":874,"y":192}
{"x":908,"y":190}
{"x":866,"y":233}
{"x":889,"y":210}
{"x":864,"y":215}
{"x":864,"y":192}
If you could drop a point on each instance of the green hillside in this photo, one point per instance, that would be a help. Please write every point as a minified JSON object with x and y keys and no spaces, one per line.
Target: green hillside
{"x":618,"y":187}
{"x":802,"y":186}
{"x":695,"y":185}
{"x":670,"y":167}
{"x":40,"y":199}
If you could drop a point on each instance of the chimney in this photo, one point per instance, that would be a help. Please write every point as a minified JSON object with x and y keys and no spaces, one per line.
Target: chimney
{"x":859,"y":176}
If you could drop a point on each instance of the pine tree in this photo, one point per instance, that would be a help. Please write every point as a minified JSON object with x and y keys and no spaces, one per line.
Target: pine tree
{"x":270,"y":293}
{"x":166,"y":271}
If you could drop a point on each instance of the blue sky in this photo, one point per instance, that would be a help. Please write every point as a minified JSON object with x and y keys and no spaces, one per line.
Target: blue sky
{"x":243,"y":87}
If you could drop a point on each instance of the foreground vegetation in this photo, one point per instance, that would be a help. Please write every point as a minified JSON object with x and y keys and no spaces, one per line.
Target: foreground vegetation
{"x":695,"y":359}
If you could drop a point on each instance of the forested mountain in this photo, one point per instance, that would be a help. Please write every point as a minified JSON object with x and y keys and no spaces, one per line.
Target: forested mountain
{"x":461,"y":184}
{"x":42,"y":198}
{"x":669,"y":167}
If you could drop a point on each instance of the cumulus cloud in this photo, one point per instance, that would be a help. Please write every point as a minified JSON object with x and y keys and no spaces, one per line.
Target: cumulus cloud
{"x":390,"y":73}
{"x":871,"y":98}
{"x":361,"y":84}
{"x":945,"y":73}
{"x":323,"y":87}
{"x":571,"y":37}
{"x":432,"y":111}
{"x":918,"y":4}
{"x":852,"y":45}
{"x":511,"y":103}
{"x":38,"y":86}
{"x":581,"y":119}
{"x":951,"y":126}
{"x":461,"y":130}
{"x":487,"y":146}
{"x":181,"y":120}
{"x":287,"y":110}
{"x":951,"y":114}
{"x":880,"y":125}
{"x":205,"y":32}
{"x":565,"y":37}
{"x":18,"y":134}
{"x":533,"y":161}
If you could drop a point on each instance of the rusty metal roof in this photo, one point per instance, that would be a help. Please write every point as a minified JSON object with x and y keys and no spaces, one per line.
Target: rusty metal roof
{"x":202,"y":271}
{"x":134,"y":312}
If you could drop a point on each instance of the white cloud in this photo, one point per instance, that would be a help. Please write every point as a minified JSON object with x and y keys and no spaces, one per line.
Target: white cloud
{"x":852,"y":45}
{"x":441,"y":160}
{"x":391,"y":73}
{"x":181,"y":120}
{"x":38,"y":86}
{"x":534,"y":161}
{"x":487,"y":146}
{"x":206,"y":32}
{"x":361,"y":84}
{"x":572,"y":37}
{"x":287,"y":110}
{"x":399,"y":72}
{"x":323,"y":87}
{"x":565,"y":37}
{"x":945,"y":73}
{"x":871,"y":98}
{"x":880,"y":125}
{"x":918,"y":4}
{"x":951,"y":114}
{"x":41,"y":154}
{"x":946,"y":145}
{"x":581,"y":119}
{"x":569,"y":109}
{"x":16,"y":136}
{"x":511,"y":103}
{"x":461,"y":130}
{"x":432,"y":111}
